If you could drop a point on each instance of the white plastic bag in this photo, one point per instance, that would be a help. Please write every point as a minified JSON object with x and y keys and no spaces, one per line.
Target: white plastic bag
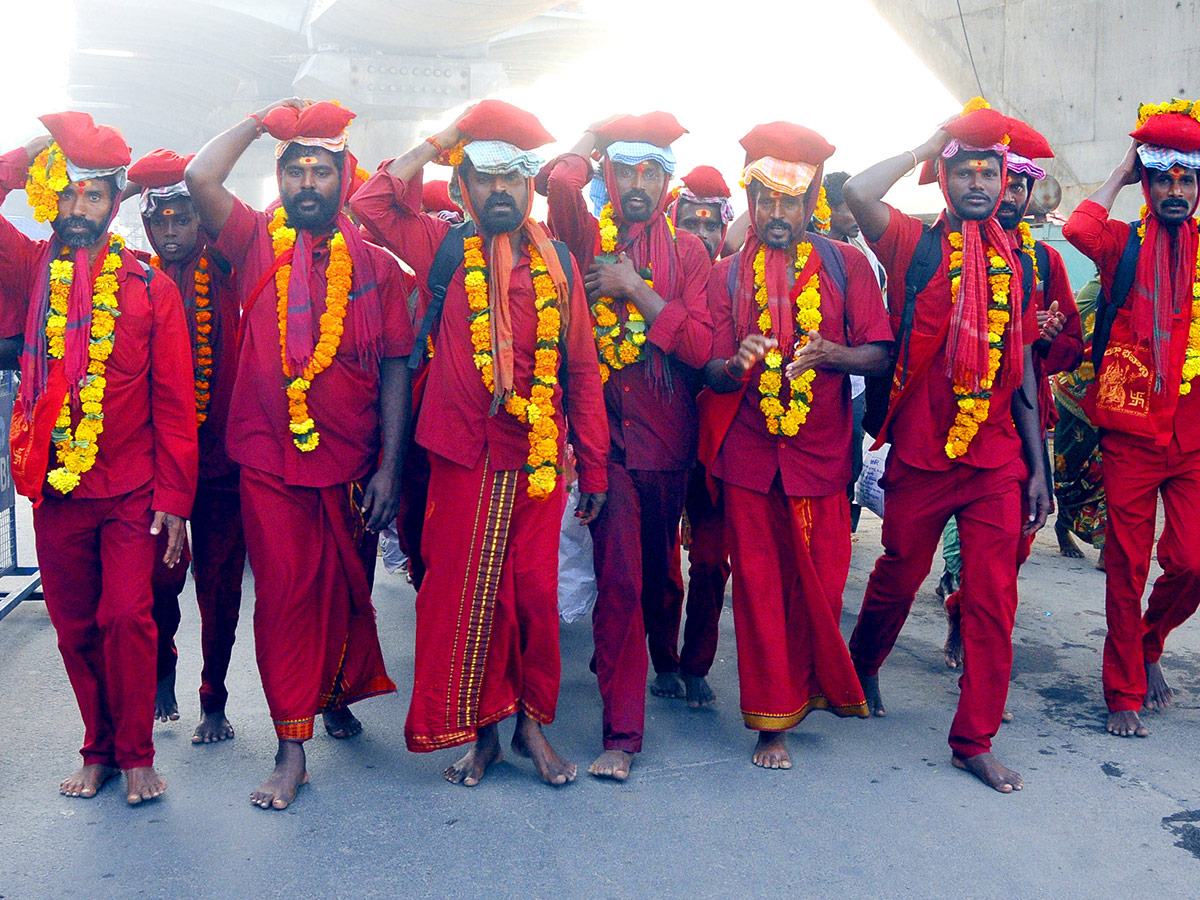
{"x":867,"y":491}
{"x":576,"y":577}
{"x":389,"y":545}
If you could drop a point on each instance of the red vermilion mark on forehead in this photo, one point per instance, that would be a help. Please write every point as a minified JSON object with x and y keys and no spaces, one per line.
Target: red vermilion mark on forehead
{"x":703,"y":213}
{"x":307,"y":160}
{"x":83,"y":185}
{"x":643,"y":167}
{"x":977,"y":164}
{"x":775,"y":195}
{"x":168,"y":211}
{"x":1177,"y":171}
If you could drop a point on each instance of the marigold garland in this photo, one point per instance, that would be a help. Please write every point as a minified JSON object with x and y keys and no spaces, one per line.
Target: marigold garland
{"x":202,"y":360}
{"x":1028,"y":247}
{"x":616,"y":350}
{"x":536,"y":411}
{"x":47,"y":179}
{"x":808,"y":318}
{"x":823,"y":214}
{"x":974,"y":406}
{"x":339,"y":275}
{"x":1176,"y":105}
{"x":76,"y":449}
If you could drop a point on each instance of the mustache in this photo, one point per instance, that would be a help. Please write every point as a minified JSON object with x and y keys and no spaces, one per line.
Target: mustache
{"x":777,"y":223}
{"x":498,"y":201}
{"x":1175,"y":203}
{"x":975,"y":195}
{"x":77,"y":222}
{"x":637,"y":194}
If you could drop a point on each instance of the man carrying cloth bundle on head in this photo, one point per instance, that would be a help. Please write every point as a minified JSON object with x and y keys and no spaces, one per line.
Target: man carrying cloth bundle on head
{"x":794,"y":314}
{"x":701,"y":207}
{"x":206,"y":283}
{"x":1146,"y":352}
{"x":103,"y":434}
{"x":513,"y":368}
{"x":1059,"y":344}
{"x":316,"y":422}
{"x":650,"y":319}
{"x":962,"y":418}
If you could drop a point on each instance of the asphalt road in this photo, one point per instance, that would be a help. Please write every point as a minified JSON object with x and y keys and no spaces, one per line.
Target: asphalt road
{"x":871,"y":809}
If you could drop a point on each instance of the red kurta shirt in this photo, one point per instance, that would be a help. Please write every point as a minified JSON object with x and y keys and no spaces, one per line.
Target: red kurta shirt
{"x":919,"y":430}
{"x":454,"y":421}
{"x":343,"y":400}
{"x":1102,"y":239}
{"x":149,"y":406}
{"x":816,"y":462}
{"x":652,"y":427}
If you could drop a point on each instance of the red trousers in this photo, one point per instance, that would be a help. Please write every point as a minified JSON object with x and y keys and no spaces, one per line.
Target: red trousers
{"x":708,"y":573}
{"x":95,"y":558}
{"x":631,"y":546}
{"x":987,"y":505}
{"x":487,"y":610}
{"x":218,"y":556}
{"x":314,"y":626}
{"x":953,"y":603}
{"x":791,"y":557}
{"x":1135,"y":473}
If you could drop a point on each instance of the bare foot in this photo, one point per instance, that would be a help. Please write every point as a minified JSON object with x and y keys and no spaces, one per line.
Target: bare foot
{"x":771,"y":751}
{"x":87,"y":781}
{"x":529,"y":741}
{"x":484,"y":753}
{"x":278,"y":791}
{"x":1126,"y":724}
{"x":668,"y":684}
{"x":143,"y":783}
{"x":1066,"y":543}
{"x":1006,"y":716}
{"x":340,"y":723}
{"x":165,"y":707}
{"x":953,"y":649}
{"x":612,"y":764}
{"x":213,"y":727}
{"x":987,"y":769}
{"x":1159,"y":694}
{"x":1100,"y":560}
{"x":699,"y":694}
{"x":870,"y":686}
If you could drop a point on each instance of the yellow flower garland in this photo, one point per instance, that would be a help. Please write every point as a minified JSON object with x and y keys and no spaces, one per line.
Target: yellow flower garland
{"x":1187,"y":107}
{"x":974,"y":406}
{"x":808,"y":318}
{"x":536,"y":411}
{"x":1191,"y":356}
{"x":823,"y":214}
{"x":339,"y":274}
{"x":202,"y":361}
{"x":47,"y":179}
{"x":76,"y":450}
{"x":616,"y":351}
{"x":1027,"y":247}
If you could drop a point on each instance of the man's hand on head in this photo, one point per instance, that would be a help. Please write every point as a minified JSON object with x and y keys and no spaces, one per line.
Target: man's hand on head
{"x":1130,"y":167}
{"x":37,"y":145}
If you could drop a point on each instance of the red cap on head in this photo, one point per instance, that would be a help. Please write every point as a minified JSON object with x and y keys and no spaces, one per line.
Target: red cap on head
{"x":1174,"y":130}
{"x":980,"y":128}
{"x":86,"y":144}
{"x":705,"y":181}
{"x":495,"y":120}
{"x":788,"y":142}
{"x":435,"y":197}
{"x":1028,"y":141}
{"x":323,"y":121}
{"x":658,"y":128}
{"x":159,"y":168}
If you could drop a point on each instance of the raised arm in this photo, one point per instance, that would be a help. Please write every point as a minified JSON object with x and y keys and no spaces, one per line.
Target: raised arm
{"x":407,"y":166}
{"x":1128,"y":171}
{"x":864,"y":192}
{"x":206,"y":174}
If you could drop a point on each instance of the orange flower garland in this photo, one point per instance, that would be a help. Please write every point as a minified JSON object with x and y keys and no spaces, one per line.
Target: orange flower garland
{"x":1191,"y":357}
{"x":616,"y":352}
{"x":974,"y":406}
{"x":536,"y":411}
{"x":808,"y":318}
{"x":339,"y":275}
{"x":47,"y":179}
{"x":202,"y":360}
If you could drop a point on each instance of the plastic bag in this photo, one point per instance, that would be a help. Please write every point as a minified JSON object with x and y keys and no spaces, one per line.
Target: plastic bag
{"x":867,"y":491}
{"x":576,"y":576}
{"x":394,"y":559}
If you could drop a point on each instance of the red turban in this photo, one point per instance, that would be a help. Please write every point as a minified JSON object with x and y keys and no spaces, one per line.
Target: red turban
{"x":1174,"y":130}
{"x":86,"y":144}
{"x":658,"y":128}
{"x":319,"y":121}
{"x":495,"y":120}
{"x":705,"y":181}
{"x":159,"y":168}
{"x":788,"y":142}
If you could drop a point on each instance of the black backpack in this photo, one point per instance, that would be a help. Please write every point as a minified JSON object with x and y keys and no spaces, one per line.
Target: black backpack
{"x":1107,"y":307}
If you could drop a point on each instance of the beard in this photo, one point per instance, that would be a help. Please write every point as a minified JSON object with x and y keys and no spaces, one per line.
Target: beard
{"x":1008,"y":216}
{"x":500,"y":215}
{"x":312,"y":219}
{"x":91,"y":233}
{"x":641,"y":215}
{"x":777,"y":241}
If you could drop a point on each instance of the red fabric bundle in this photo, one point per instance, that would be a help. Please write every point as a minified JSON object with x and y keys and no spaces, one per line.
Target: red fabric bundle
{"x":495,"y":120}
{"x":705,"y":181}
{"x":658,"y":128}
{"x":159,"y":168}
{"x":1027,"y":141}
{"x":86,"y":144}
{"x":435,"y":197}
{"x":323,"y":120}
{"x":788,"y":142}
{"x":1178,"y":131}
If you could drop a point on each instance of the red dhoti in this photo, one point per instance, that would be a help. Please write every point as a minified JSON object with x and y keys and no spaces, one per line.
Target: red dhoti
{"x":1135,"y":472}
{"x":632,"y":539}
{"x":314,"y":625}
{"x":791,"y":557}
{"x":987,"y":505}
{"x":487,"y":610}
{"x":708,"y":573}
{"x":96,"y":557}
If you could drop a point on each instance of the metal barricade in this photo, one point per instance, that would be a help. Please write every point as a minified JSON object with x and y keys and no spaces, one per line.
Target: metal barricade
{"x":17,"y":582}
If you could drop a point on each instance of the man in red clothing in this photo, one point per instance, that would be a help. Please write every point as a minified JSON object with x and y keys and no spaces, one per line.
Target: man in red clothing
{"x":701,"y":207}
{"x":206,"y":282}
{"x":796,"y":304}
{"x":1143,"y":400}
{"x":646,"y":290}
{"x":1059,"y":345}
{"x":964,"y":438}
{"x":103,"y":434}
{"x":512,"y":360}
{"x":324,"y":315}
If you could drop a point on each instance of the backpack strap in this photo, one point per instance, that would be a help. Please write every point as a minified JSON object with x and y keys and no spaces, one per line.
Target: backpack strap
{"x":446,"y":261}
{"x":1042,"y":253}
{"x":927,"y":257}
{"x":1026,"y":279}
{"x":1106,"y":307}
